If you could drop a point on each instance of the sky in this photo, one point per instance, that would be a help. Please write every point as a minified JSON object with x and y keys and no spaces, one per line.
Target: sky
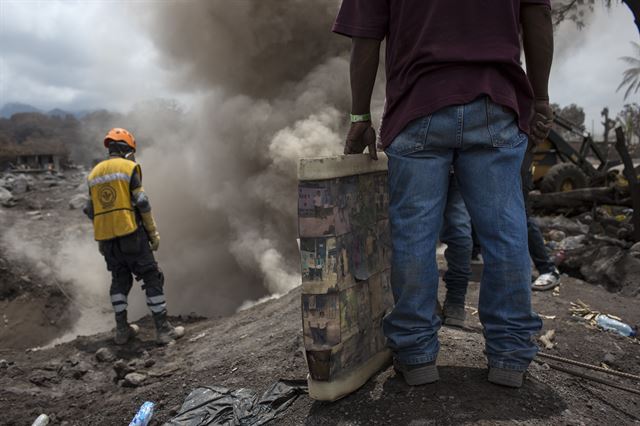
{"x":79,"y":55}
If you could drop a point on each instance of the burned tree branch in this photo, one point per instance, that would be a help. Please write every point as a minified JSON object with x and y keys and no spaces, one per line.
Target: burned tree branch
{"x":585,"y":197}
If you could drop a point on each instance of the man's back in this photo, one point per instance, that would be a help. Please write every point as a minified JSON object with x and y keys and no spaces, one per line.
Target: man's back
{"x":442,"y":53}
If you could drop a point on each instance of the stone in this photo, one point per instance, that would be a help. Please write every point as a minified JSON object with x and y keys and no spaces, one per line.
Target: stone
{"x":122,"y":368}
{"x":5,"y":195}
{"x":133,"y":380}
{"x":609,"y":358}
{"x":555,"y":235}
{"x":78,"y":201}
{"x":105,"y":355}
{"x":635,"y":250}
{"x":4,"y":364}
{"x":20,"y":185}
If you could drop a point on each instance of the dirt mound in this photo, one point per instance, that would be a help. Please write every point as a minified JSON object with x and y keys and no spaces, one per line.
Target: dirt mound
{"x":256,"y":347}
{"x":33,"y":312}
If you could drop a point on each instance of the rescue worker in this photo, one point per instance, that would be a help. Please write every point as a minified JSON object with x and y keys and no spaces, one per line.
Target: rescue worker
{"x":127,"y":234}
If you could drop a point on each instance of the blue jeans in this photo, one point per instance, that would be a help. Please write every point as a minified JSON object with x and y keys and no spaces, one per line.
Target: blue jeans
{"x":456,"y":234}
{"x":482,"y":142}
{"x":537,"y":250}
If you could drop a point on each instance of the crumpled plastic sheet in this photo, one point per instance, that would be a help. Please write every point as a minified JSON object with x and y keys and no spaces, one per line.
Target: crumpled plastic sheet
{"x":215,"y":405}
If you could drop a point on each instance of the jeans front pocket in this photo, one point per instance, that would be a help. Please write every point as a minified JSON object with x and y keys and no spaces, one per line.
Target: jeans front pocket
{"x":503,"y":128}
{"x":412,"y":138}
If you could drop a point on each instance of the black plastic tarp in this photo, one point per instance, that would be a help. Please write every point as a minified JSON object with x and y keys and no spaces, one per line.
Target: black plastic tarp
{"x":215,"y":405}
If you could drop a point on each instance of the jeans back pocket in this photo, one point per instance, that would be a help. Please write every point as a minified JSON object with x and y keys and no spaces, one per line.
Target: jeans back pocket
{"x":502,"y":123}
{"x":412,"y":138}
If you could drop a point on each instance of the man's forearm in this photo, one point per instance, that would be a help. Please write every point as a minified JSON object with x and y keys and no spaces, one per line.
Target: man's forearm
{"x":365,"y":57}
{"x":537,"y":36}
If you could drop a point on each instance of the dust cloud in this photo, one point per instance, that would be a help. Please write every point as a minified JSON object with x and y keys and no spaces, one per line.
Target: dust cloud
{"x":273,"y":87}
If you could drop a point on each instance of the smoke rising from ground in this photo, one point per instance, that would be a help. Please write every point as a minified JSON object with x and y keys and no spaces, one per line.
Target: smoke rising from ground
{"x":273,"y":84}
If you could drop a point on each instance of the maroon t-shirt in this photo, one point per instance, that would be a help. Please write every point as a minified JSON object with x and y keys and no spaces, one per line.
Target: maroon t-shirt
{"x":441,"y":53}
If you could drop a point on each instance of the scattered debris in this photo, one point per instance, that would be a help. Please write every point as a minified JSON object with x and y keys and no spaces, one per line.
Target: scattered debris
{"x":213,"y":405}
{"x":41,"y":420}
{"x":604,"y":321}
{"x":122,"y":368}
{"x":105,"y":355}
{"x":547,"y":339}
{"x":5,"y":196}
{"x":144,"y":415}
{"x":607,"y":322}
{"x":78,"y":201}
{"x":133,"y":380}
{"x":200,"y":336}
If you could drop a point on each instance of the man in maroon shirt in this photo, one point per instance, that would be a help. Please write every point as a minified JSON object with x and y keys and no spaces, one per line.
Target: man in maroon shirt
{"x":456,"y":96}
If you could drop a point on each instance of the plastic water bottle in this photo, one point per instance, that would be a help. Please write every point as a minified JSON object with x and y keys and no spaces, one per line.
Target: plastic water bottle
{"x":42,"y":420}
{"x":144,"y":414}
{"x":608,"y":323}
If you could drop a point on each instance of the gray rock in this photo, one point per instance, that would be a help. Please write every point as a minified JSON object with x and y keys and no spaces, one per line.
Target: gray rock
{"x":572,"y":243}
{"x":78,"y":201}
{"x":609,"y":358}
{"x":20,"y":185}
{"x":122,"y":368}
{"x":635,"y":250}
{"x":5,"y":195}
{"x":555,"y":235}
{"x":4,"y":364}
{"x":105,"y":355}
{"x":133,"y":380}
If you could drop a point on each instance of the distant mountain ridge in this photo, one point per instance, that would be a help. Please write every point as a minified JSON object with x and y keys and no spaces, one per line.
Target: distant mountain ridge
{"x":12,"y":108}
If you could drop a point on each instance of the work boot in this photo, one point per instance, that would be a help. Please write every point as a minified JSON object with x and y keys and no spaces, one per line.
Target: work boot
{"x":165,"y":332}
{"x":124,"y":330}
{"x":417,"y":374}
{"x":505,"y":377}
{"x":454,"y":315}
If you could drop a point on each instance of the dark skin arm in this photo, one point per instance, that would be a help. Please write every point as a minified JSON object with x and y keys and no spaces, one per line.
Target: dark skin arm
{"x":537,"y":37}
{"x":365,"y":58}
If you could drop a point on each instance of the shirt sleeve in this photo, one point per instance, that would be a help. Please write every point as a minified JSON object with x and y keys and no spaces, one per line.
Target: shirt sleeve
{"x":363,"y":18}
{"x":136,"y":179}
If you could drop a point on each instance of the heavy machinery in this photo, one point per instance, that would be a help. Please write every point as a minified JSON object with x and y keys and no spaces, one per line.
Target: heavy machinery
{"x":559,"y":167}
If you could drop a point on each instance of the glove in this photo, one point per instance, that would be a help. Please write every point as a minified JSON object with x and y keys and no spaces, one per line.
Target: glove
{"x":154,"y":240}
{"x":152,"y":230}
{"x":541,"y":121}
{"x":360,"y":136}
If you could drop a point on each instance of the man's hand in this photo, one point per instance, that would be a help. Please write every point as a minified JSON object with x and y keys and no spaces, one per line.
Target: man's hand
{"x":154,"y":240}
{"x":541,"y":121}
{"x":360,"y":136}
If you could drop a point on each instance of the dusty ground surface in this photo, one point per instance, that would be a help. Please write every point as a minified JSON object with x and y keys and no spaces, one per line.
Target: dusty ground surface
{"x":256,"y":347}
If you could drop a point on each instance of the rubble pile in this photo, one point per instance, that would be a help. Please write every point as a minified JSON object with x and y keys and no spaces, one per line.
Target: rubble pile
{"x":17,"y":189}
{"x":596,"y":247}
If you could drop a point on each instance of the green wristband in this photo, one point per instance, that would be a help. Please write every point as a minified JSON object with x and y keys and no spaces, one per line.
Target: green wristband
{"x":355,"y":118}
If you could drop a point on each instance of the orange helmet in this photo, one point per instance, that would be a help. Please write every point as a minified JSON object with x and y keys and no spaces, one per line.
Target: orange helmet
{"x":120,"y":135}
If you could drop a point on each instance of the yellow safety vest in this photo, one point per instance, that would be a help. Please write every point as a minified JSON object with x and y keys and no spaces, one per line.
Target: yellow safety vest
{"x":109,"y":185}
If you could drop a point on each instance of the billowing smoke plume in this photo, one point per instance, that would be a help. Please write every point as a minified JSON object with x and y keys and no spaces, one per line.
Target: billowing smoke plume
{"x":273,"y":84}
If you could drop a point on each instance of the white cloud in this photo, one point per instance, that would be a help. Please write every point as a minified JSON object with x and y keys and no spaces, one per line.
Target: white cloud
{"x":77,"y":55}
{"x":587,"y":69}
{"x":94,"y":54}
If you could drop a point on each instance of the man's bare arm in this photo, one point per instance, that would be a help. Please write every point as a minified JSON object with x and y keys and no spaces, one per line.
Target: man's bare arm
{"x":365,"y":58}
{"x":537,"y":36}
